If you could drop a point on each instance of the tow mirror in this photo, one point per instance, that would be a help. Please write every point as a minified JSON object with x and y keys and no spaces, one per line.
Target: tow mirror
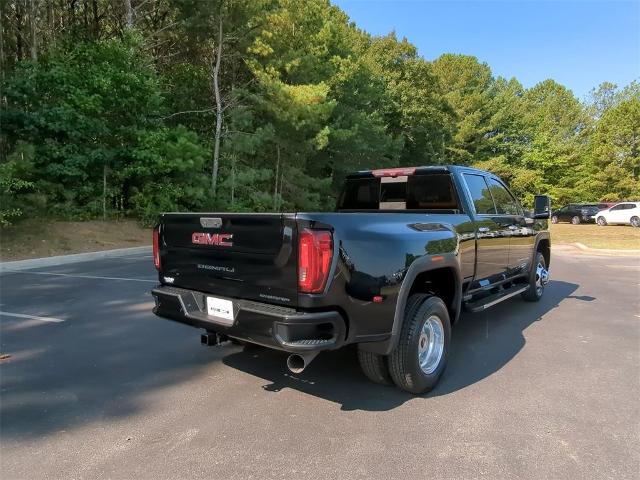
{"x":541,"y":206}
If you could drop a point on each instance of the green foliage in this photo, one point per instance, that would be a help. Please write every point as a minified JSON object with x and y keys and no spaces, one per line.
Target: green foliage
{"x":102,"y":118}
{"x":90,"y":115}
{"x":11,"y":185}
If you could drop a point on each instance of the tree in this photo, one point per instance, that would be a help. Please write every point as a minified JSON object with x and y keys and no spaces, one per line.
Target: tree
{"x":69,"y":107}
{"x":466,"y":85}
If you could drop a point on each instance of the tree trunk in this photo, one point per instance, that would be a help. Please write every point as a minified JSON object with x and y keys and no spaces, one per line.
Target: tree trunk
{"x":18,"y":17}
{"x":218,"y":99}
{"x":104,"y":192}
{"x":85,"y":16}
{"x":129,"y":13}
{"x":33,"y":13}
{"x":281,"y":198}
{"x":275,"y":188}
{"x":96,"y":20}
{"x":233,"y":179}
{"x":2,"y":58}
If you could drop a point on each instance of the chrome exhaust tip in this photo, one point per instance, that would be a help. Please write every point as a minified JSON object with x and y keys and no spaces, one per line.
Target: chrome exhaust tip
{"x":297,"y":362}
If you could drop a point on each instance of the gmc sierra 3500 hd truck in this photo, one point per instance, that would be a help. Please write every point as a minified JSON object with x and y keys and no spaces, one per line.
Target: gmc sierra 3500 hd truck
{"x":407,"y":250}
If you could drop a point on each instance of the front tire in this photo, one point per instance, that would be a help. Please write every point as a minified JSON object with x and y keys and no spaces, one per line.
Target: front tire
{"x":420,"y":357}
{"x":575,"y":220}
{"x":538,"y":278}
{"x":601,"y":221}
{"x":635,"y":222}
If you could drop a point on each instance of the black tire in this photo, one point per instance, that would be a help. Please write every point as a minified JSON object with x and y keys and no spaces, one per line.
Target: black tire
{"x":601,"y":221}
{"x":575,"y":220}
{"x":635,"y":221}
{"x":404,"y":364}
{"x":554,"y":219}
{"x":374,"y":366}
{"x":534,"y":294}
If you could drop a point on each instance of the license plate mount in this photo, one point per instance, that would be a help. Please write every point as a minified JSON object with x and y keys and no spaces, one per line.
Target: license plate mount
{"x":220,"y":310}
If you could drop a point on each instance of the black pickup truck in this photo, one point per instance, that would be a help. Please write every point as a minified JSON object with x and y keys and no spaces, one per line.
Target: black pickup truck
{"x":391,"y":271}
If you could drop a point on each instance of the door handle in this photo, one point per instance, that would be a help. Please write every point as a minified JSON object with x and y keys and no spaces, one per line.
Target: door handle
{"x":483,"y":229}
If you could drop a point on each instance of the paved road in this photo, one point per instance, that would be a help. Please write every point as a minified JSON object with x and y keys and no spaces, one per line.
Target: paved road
{"x":98,"y":387}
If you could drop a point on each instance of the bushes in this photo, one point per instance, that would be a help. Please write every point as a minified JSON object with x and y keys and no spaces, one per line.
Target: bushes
{"x":11,"y":186}
{"x":84,"y":124}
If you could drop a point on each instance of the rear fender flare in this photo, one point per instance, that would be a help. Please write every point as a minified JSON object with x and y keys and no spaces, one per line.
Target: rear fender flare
{"x":423,"y":264}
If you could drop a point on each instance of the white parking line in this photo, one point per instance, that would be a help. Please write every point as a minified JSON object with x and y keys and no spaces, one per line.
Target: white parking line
{"x":32,"y":317}
{"x":83,"y":276}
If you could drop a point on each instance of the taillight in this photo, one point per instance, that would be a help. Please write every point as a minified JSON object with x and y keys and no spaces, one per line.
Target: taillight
{"x":315,"y":250}
{"x":156,"y":248}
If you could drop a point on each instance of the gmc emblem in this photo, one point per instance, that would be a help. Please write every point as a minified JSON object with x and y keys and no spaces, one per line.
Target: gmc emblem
{"x":219,"y":239}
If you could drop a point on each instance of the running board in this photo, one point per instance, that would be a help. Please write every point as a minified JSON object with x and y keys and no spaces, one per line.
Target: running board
{"x":491,"y":300}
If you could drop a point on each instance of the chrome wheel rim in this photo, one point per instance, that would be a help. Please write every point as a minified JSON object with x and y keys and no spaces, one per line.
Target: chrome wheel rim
{"x":635,"y":222}
{"x":431,"y":344}
{"x":542,"y":278}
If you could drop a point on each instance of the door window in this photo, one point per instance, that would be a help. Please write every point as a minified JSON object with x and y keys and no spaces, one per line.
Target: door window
{"x":479,"y":191}
{"x":505,"y":203}
{"x":622,"y":206}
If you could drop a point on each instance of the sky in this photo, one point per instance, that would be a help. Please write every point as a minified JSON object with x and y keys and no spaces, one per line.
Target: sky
{"x":577,"y":43}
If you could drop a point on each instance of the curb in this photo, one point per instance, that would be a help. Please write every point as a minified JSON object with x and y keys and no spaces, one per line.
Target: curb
{"x":597,"y":251}
{"x":67,"y":259}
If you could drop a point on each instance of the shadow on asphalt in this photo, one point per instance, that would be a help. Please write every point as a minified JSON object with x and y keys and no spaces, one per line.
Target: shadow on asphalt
{"x":65,"y":375}
{"x":482,"y":344}
{"x":101,"y":363}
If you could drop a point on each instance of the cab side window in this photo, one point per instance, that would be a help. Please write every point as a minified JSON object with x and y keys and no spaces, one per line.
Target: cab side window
{"x":479,"y":190}
{"x":505,"y":203}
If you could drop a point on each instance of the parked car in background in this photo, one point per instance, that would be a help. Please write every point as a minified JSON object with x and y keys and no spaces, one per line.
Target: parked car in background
{"x":577,"y":213}
{"x":627,"y":213}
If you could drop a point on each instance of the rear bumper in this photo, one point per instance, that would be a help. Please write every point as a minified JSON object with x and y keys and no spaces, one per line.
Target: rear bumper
{"x":269,"y":325}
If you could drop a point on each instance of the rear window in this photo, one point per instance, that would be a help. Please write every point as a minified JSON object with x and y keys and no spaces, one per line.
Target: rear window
{"x":590,"y":208}
{"x":414,"y":192}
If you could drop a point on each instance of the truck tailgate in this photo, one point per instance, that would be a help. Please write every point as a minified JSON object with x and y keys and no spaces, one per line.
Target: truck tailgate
{"x":250,"y":256}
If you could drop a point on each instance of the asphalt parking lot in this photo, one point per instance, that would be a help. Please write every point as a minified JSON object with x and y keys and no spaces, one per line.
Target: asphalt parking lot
{"x":99,"y":387}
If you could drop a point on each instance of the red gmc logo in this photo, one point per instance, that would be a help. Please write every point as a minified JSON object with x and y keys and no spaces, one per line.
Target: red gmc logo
{"x":219,"y":239}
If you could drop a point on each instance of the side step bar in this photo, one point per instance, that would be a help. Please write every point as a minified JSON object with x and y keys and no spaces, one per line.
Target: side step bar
{"x":491,"y":300}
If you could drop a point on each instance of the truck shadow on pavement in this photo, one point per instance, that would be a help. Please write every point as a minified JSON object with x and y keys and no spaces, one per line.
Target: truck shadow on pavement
{"x":104,"y":361}
{"x":101,"y":363}
{"x":482,"y":344}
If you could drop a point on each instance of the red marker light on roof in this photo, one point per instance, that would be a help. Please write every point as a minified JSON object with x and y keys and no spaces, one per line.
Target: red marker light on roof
{"x":393,"y":172}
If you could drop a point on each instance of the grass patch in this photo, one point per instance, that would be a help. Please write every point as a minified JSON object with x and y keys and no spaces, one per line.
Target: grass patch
{"x":622,"y":237}
{"x":40,"y":238}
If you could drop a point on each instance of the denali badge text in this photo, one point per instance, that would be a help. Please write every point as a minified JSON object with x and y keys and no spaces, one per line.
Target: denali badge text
{"x":217,"y":268}
{"x":219,"y":239}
